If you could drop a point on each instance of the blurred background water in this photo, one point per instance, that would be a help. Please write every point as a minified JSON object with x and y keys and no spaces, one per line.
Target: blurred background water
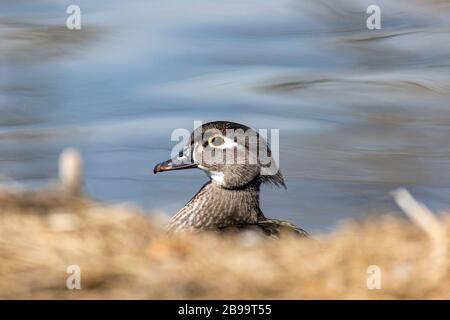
{"x":360,"y":111}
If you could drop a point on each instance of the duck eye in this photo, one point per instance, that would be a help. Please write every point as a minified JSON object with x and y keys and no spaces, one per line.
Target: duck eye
{"x":216,"y":141}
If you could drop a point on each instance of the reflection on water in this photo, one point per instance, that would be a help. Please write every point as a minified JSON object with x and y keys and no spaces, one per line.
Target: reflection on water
{"x":361,"y":112}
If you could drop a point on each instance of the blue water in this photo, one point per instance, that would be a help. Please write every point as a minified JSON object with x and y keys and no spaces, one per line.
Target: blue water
{"x":360,"y":112}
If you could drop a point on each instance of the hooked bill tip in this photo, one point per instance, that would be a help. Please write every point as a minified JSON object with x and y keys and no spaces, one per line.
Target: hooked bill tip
{"x":156,"y":169}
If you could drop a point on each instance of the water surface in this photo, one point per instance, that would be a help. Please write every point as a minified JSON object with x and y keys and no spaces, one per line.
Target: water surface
{"x":360,"y":112}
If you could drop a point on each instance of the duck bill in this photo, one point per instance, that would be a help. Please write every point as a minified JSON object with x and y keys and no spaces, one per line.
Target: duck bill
{"x":171,"y":165}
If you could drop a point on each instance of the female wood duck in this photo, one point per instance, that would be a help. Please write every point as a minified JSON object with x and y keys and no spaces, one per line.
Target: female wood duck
{"x":230,"y":200}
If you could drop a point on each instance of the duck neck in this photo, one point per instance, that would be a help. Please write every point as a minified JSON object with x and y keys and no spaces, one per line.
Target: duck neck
{"x":215,"y":207}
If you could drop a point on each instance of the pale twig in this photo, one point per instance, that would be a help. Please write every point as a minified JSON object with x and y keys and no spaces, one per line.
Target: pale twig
{"x":427,"y":221}
{"x":71,"y":171}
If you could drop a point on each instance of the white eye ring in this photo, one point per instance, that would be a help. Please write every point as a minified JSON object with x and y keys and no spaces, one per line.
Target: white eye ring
{"x":224,"y":142}
{"x":216,"y":141}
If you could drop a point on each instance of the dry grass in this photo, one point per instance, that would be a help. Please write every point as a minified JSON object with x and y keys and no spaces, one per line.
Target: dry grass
{"x":124,"y":253}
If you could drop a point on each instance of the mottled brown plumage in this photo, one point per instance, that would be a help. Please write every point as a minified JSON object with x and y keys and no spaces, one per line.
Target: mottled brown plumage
{"x":230,"y":201}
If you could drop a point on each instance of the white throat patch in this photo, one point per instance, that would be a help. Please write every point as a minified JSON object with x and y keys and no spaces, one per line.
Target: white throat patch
{"x":216,"y":176}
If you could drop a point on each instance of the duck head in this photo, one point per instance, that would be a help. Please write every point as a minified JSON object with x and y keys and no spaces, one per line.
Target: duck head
{"x":231,"y":154}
